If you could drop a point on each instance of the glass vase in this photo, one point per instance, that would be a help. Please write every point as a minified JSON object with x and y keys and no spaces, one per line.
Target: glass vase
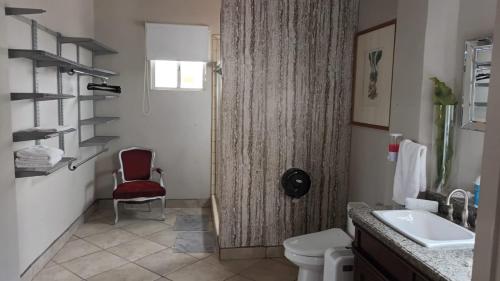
{"x":444,"y":116}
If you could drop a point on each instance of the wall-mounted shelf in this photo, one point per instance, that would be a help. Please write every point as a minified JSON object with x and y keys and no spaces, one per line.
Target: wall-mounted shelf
{"x":90,"y":44}
{"x":483,"y":64}
{"x":98,"y":120}
{"x":28,"y":135}
{"x":98,"y":97}
{"x":35,"y":172}
{"x":97,"y":141}
{"x":38,"y":96}
{"x":11,"y":11}
{"x":40,"y":58}
{"x":46,"y":59}
{"x":482,"y":84}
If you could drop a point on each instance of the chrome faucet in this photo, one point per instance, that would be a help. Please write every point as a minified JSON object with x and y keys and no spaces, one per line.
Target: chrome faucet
{"x":465,"y":211}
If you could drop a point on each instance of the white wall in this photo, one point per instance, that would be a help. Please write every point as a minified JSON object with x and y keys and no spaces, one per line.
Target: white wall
{"x":430,"y":38}
{"x":375,"y":12}
{"x":8,"y":218}
{"x":46,"y":206}
{"x":178,"y":128}
{"x":487,"y":247}
{"x":370,"y":173}
{"x":476,"y":19}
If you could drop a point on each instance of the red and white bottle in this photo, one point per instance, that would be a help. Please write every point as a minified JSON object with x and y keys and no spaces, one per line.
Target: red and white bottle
{"x":392,"y":155}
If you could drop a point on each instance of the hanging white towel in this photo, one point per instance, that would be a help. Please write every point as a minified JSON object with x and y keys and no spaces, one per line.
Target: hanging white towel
{"x":410,"y":176}
{"x":39,"y":152}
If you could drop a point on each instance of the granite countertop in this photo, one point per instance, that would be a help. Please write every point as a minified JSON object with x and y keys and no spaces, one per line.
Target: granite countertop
{"x":438,"y":264}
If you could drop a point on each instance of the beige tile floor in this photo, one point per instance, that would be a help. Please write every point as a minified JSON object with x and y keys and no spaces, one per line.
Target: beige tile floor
{"x":139,"y":248}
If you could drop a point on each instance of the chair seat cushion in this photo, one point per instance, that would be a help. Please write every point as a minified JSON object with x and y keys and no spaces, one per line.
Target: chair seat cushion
{"x":135,"y":189}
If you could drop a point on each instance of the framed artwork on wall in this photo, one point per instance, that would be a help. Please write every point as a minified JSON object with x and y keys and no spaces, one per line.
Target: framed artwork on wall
{"x":372,"y":83}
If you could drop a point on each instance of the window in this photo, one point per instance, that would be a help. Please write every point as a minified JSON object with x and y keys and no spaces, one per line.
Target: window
{"x":171,"y":75}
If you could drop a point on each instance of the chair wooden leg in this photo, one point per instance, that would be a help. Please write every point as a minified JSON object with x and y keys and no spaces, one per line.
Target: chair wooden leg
{"x":162,"y":208}
{"x":115,"y":203}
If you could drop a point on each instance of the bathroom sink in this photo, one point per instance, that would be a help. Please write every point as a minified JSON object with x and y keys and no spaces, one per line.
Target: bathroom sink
{"x":427,"y":229}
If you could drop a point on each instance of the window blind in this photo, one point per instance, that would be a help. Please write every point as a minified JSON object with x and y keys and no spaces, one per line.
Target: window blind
{"x":177,"y":42}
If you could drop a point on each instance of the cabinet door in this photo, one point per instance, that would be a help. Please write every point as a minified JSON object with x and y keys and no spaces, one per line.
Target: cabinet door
{"x":382,"y":259}
{"x":364,"y":271}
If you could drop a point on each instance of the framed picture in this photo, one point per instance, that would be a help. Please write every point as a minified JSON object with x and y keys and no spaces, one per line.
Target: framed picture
{"x":372,"y":84}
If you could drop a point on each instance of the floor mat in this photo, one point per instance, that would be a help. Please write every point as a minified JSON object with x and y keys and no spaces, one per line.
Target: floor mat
{"x":195,"y":242}
{"x":191,"y":223}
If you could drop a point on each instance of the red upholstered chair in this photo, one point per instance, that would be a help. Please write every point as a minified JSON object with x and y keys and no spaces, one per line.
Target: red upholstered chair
{"x":137,"y":174}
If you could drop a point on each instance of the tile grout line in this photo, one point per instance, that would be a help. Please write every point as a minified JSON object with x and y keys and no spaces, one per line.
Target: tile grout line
{"x":122,"y":228}
{"x":161,"y":275}
{"x":60,"y":263}
{"x":102,"y":250}
{"x":138,"y":258}
{"x":129,"y":262}
{"x":136,"y":237}
{"x":184,"y":266}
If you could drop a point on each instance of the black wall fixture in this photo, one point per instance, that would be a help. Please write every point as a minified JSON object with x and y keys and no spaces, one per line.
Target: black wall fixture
{"x":295,"y":182}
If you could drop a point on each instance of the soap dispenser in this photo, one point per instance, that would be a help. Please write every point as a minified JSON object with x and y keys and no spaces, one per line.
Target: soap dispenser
{"x":477,"y":189}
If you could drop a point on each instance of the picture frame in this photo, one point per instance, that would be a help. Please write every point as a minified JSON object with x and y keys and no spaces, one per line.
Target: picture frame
{"x":372,"y":76}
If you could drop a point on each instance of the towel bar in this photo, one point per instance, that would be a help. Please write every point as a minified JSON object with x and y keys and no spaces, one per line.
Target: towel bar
{"x":73,"y":167}
{"x":76,"y":71}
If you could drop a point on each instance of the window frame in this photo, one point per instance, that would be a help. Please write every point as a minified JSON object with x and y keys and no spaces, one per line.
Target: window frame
{"x":152,"y":71}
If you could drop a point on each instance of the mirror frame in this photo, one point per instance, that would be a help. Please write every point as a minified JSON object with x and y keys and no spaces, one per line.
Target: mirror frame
{"x":467,"y":91}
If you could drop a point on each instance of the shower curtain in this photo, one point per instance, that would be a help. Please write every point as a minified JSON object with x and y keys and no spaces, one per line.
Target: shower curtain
{"x":286,"y":100}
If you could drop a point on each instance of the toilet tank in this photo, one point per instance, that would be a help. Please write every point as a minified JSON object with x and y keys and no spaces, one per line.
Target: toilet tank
{"x":339,"y":265}
{"x":350,"y":225}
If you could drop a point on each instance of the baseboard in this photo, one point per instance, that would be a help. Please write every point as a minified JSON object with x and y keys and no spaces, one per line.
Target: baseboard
{"x":170,"y":203}
{"x":39,"y":263}
{"x":251,"y":253}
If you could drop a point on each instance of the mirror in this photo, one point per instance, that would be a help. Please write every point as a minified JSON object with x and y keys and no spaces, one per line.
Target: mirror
{"x":476,"y":83}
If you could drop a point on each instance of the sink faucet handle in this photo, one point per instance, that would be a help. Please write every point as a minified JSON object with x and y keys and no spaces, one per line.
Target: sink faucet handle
{"x":465,"y":217}
{"x":450,"y":211}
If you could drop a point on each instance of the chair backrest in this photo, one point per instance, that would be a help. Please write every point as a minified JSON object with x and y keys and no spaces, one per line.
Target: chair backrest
{"x":136,"y":163}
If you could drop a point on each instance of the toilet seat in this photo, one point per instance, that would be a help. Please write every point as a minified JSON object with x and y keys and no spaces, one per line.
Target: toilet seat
{"x":315,"y":244}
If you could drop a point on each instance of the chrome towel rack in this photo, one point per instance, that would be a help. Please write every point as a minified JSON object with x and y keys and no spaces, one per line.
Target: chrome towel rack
{"x":75,"y":71}
{"x":73,"y":167}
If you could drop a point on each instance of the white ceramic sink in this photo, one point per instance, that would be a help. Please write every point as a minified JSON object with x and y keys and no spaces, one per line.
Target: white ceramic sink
{"x":427,"y":229}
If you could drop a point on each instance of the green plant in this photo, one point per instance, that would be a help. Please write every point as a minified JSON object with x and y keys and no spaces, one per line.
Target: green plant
{"x":443,"y":95}
{"x":444,"y":101}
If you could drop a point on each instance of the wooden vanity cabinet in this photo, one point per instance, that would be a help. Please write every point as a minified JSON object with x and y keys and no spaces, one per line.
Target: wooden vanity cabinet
{"x":374,"y":261}
{"x":365,"y":271}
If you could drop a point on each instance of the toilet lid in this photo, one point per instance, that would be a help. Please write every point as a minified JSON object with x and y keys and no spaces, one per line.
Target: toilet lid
{"x":315,"y":244}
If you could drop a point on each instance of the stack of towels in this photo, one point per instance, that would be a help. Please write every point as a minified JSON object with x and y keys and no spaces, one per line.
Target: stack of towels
{"x":50,"y":129}
{"x":38,"y":156}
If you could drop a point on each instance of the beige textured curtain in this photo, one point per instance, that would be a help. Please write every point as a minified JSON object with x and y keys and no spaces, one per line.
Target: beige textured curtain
{"x":286,"y":100}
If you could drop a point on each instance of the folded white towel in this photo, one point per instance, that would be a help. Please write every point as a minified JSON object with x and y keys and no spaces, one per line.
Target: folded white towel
{"x":50,"y":129}
{"x":39,"y":152}
{"x":410,"y":176}
{"x":23,"y":163}
{"x":50,"y":161}
{"x":33,"y":166}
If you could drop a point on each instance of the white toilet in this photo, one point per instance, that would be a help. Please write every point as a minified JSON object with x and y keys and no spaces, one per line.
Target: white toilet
{"x":324,"y":255}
